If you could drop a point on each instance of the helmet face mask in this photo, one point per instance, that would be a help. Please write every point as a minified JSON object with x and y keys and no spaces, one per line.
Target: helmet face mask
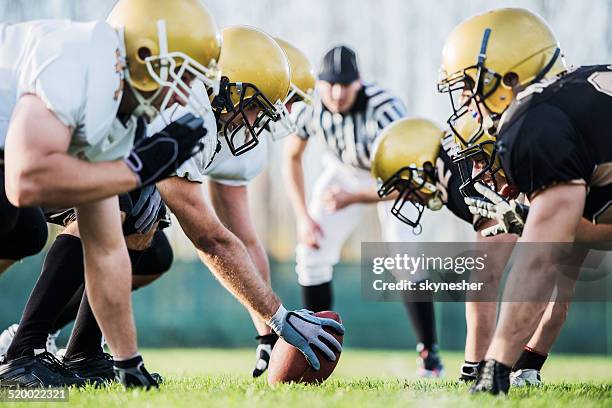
{"x":409,"y":205}
{"x":484,"y":152}
{"x":468,"y":91}
{"x":244,"y":136}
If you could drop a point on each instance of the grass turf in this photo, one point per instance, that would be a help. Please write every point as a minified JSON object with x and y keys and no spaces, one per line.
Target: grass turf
{"x":221,"y":378}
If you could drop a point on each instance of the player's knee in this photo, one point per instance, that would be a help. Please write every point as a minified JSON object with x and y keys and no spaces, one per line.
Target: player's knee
{"x":157,"y":259}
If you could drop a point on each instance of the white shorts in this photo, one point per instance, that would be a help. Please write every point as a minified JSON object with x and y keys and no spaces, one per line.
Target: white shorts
{"x":315,"y":266}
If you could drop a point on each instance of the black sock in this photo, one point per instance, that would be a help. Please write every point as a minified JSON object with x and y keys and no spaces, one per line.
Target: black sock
{"x":530,"y":359}
{"x":61,"y":277}
{"x":70,"y":310}
{"x":317,"y":298}
{"x":423,"y":320}
{"x":270,"y":338}
{"x":86,"y":335}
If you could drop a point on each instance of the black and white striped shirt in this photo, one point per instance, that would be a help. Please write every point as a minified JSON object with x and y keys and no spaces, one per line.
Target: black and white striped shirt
{"x":351,"y":135}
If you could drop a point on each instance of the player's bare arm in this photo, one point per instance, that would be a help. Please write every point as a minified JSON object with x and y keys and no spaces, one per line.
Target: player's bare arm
{"x":40,"y":172}
{"x":231,"y":206}
{"x":221,"y":250}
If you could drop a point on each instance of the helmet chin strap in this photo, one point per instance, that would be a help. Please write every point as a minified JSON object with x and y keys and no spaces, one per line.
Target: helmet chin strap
{"x":145,"y":105}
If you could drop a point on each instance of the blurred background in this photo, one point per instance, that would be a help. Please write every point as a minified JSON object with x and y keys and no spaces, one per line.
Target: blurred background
{"x":398,"y":43}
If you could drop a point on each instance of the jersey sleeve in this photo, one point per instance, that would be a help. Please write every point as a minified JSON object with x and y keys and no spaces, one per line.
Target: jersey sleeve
{"x":61,"y":83}
{"x":389,"y":113}
{"x":302,"y":115}
{"x":540,"y":149}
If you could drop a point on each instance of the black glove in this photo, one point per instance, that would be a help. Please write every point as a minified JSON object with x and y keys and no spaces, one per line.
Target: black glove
{"x":132,"y":373}
{"x":158,"y":156}
{"x":146,"y":209}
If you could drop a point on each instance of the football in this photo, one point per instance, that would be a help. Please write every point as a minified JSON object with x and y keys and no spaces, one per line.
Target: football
{"x":288,"y":364}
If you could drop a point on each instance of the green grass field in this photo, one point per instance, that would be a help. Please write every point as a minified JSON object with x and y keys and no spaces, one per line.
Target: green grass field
{"x":221,"y":378}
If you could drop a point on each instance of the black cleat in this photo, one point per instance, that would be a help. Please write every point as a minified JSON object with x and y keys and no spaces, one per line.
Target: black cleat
{"x":41,"y":370}
{"x":470,"y":371}
{"x":494,"y":379}
{"x":99,"y":365}
{"x":263,"y":352}
{"x":132,"y":373}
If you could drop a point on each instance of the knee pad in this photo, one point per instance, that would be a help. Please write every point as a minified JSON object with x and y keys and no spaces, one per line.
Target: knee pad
{"x":27,"y":237}
{"x":157,"y":259}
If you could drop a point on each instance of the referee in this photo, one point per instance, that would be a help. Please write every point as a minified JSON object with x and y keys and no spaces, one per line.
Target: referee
{"x":347,"y":116}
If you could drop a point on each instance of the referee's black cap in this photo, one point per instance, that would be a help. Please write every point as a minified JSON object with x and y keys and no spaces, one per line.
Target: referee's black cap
{"x":339,"y":66}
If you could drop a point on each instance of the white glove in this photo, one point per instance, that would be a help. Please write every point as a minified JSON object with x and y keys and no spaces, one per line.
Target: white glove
{"x":302,"y":329}
{"x":509,"y":214}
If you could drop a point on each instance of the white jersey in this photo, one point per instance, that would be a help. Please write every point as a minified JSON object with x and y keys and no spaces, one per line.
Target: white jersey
{"x":75,"y":69}
{"x":222,"y":167}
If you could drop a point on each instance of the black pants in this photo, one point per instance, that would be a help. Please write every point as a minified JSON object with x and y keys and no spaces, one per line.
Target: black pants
{"x":23,"y":231}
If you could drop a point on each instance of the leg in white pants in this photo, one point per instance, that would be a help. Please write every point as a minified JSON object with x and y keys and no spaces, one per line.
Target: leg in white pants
{"x":315,"y":266}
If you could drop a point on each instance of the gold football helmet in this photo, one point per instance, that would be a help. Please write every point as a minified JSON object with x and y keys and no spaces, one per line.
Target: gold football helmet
{"x":404,"y":161}
{"x":165,"y":42}
{"x":488,"y":57}
{"x":301,"y":89}
{"x":255,"y":74}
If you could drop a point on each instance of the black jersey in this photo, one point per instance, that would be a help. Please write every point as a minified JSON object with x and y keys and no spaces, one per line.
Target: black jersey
{"x":560,"y":131}
{"x":449,"y":181}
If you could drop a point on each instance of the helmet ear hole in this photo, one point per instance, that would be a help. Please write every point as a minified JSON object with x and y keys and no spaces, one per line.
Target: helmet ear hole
{"x":143,"y":53}
{"x":511,"y":79}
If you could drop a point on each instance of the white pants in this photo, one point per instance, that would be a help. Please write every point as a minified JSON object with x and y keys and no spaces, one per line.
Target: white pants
{"x":315,"y":266}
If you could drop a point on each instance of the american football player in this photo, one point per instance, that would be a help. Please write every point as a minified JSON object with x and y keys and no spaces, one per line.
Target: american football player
{"x":348,"y":116}
{"x":538,"y":123}
{"x":75,"y":148}
{"x":257,"y":77}
{"x":412,"y":165}
{"x":58,"y":298}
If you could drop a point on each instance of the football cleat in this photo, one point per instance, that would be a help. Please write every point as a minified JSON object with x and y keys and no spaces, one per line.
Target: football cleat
{"x":429,"y":364}
{"x":494,"y":378}
{"x":132,"y":373}
{"x":99,"y":365}
{"x":40,"y":370}
{"x":263,"y":352}
{"x":470,"y":371}
{"x":6,"y":338}
{"x":525,"y":377}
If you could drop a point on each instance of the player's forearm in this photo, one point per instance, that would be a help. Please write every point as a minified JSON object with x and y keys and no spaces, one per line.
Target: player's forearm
{"x":595,"y":236}
{"x":58,"y":180}
{"x":370,"y":195}
{"x":231,"y":264}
